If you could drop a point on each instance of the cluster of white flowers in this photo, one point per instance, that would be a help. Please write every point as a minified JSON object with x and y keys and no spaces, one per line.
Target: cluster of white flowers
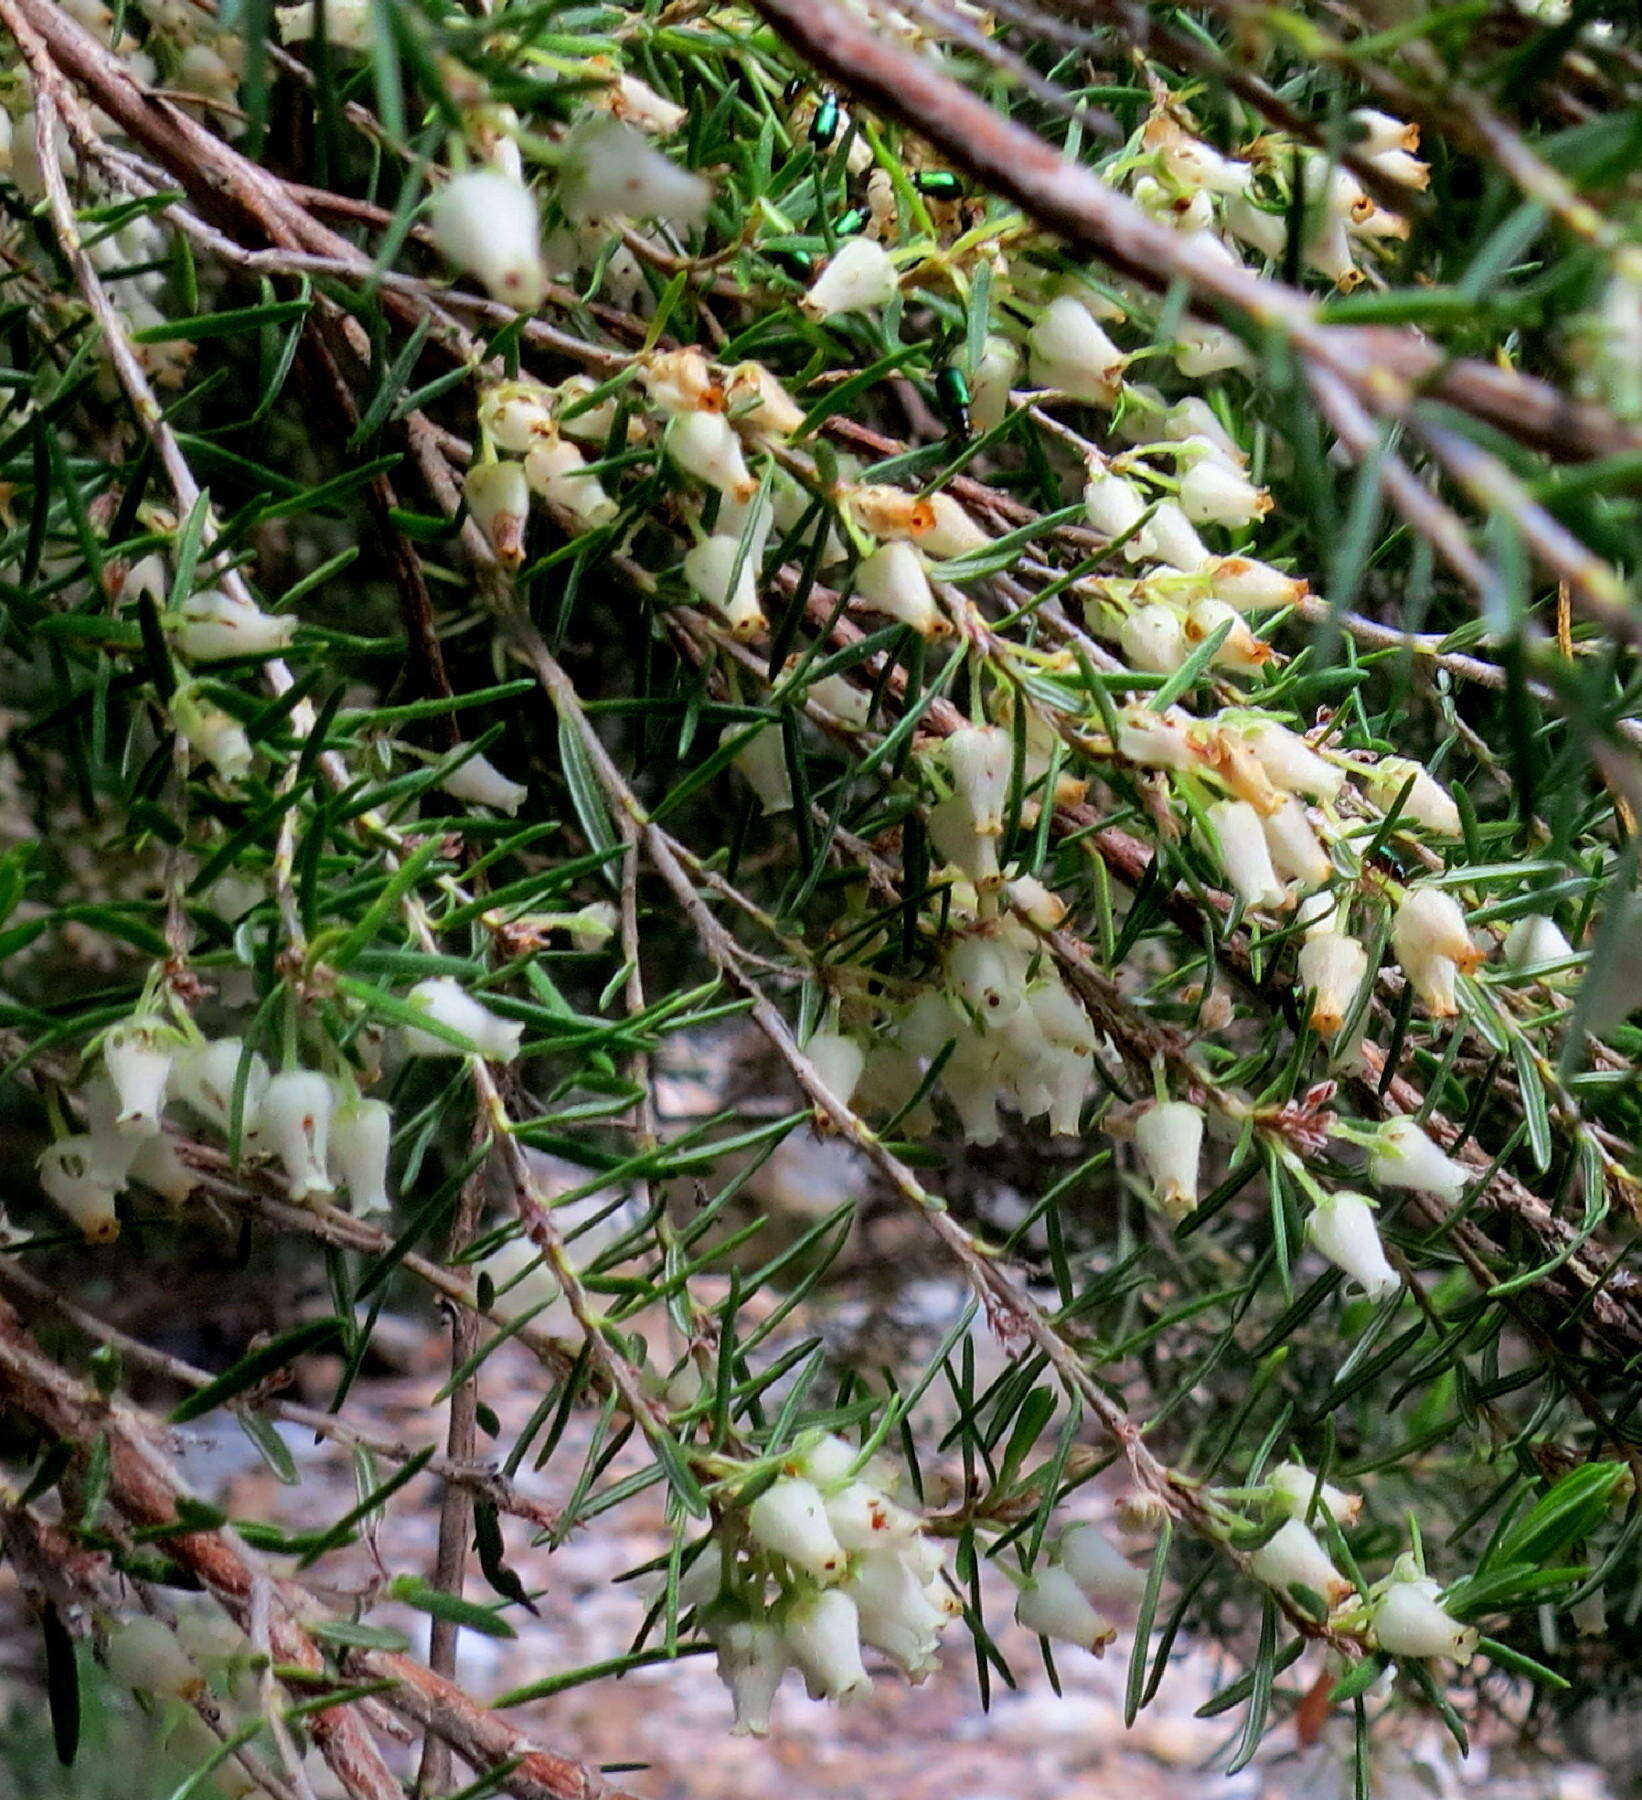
{"x":829,"y":1563}
{"x":1402,"y":1614}
{"x":1062,"y":1597}
{"x":321,"y":1132}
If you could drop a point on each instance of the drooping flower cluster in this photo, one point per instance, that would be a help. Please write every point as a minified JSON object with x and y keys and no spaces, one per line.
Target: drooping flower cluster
{"x":829,"y":1564}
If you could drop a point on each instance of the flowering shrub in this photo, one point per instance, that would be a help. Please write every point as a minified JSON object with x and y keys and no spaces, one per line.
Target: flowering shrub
{"x":1081,"y":596}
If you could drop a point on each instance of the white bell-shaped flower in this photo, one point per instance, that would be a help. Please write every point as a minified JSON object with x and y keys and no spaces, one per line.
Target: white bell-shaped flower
{"x":823,"y":1636}
{"x":752,"y":1658}
{"x":477,"y":780}
{"x":758,"y":402}
{"x":1168,"y":536}
{"x":1292,"y":1557}
{"x":838,"y":1060}
{"x":556,"y":470}
{"x":952,"y":532}
{"x":1534,"y":940}
{"x":443,"y":999}
{"x":1293,"y":1485}
{"x":1427,"y":804}
{"x":892,"y":581}
{"x":1244,"y":855}
{"x":1036,"y":903}
{"x":1252,"y":586}
{"x":1213,"y":494}
{"x":1099,"y":1568}
{"x":1432,"y":944}
{"x":516,"y":413}
{"x":488,"y":226}
{"x":1290,"y":762}
{"x":1332,"y":964}
{"x":1409,"y":1619}
{"x":790,"y":1519}
{"x":1342,"y":1228}
{"x":143,"y":1653}
{"x":704,"y":444}
{"x":611,"y":169}
{"x":762,"y":762}
{"x":1070,"y":352}
{"x":155,"y":1162}
{"x":859,"y":278}
{"x":1208,"y":349}
{"x":138,"y":1058}
{"x":212,"y":734}
{"x":498,"y":497}
{"x":1052,"y":1604}
{"x":992,"y":383}
{"x":361,"y":1136}
{"x":296,"y":1124}
{"x":1239,"y":649}
{"x":1112,"y":503}
{"x":709,"y":567}
{"x":1154,"y":740}
{"x":213,"y":625}
{"x":981,"y":758}
{"x":206,"y":1077}
{"x":81,"y":1179}
{"x":1296,"y":851}
{"x":1402,"y":1156}
{"x":1153,"y":639}
{"x":985,"y":977}
{"x":1169,"y":1137}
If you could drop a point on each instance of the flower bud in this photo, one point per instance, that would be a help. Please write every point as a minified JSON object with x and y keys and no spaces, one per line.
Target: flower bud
{"x":611,"y":168}
{"x":1241,"y":840}
{"x":762,"y":763}
{"x":1332,"y":964}
{"x":1053,"y":1605}
{"x":498,"y":497}
{"x":444,"y":1000}
{"x":1250,"y":585}
{"x":1289,"y":761}
{"x":144,"y":1653}
{"x":1153,"y":638}
{"x":708,"y":567}
{"x":991,"y":383}
{"x":361,"y":1135}
{"x":1169,"y":1137}
{"x":1427,"y":804}
{"x":487,"y":225}
{"x":476,"y":779}
{"x":752,"y":1658}
{"x":1070,"y":352}
{"x":1101,"y":1571}
{"x":1536,"y":939}
{"x":213,"y":625}
{"x":892,"y":581}
{"x":859,"y":278}
{"x":81,"y":1178}
{"x":1404,"y":1157}
{"x":790,"y":1519}
{"x":1294,"y":846}
{"x":838,"y":1060}
{"x":138,"y":1058}
{"x":823,"y":1636}
{"x":981,"y":758}
{"x":1342,"y":1229}
{"x":704,"y":444}
{"x":1213,"y":494}
{"x":1293,"y":1485}
{"x":555,"y":469}
{"x":594,"y":926}
{"x":296,"y":1121}
{"x":1409,"y":1619}
{"x":1292,"y":1557}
